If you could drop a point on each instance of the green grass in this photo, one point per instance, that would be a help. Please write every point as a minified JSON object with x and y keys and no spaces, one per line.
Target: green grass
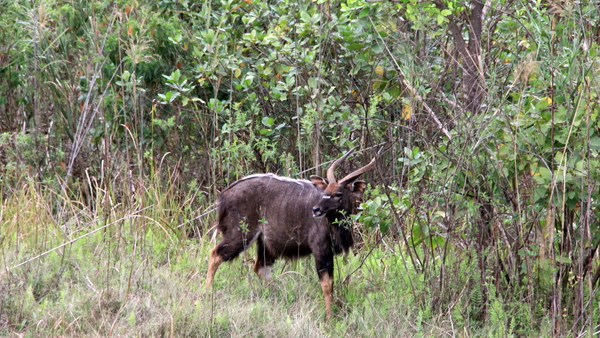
{"x":137,"y":276}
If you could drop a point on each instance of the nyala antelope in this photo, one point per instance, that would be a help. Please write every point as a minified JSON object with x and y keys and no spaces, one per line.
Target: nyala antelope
{"x":288,"y":218}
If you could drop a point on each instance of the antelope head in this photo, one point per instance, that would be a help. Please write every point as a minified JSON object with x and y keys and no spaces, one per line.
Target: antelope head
{"x":342,"y":196}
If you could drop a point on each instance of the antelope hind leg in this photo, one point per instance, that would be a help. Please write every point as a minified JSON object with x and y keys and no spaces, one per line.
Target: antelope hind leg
{"x":264,"y":260}
{"x":263,"y":271}
{"x":214,"y":260}
{"x":228,"y":249}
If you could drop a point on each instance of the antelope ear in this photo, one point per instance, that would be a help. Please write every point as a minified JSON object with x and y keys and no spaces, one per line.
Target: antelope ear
{"x":318,"y":182}
{"x":358,"y":187}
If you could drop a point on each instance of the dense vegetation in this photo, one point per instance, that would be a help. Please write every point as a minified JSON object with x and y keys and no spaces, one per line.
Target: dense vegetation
{"x":120,"y":121}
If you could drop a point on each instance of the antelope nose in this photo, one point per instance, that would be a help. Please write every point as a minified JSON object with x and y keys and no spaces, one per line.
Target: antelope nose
{"x":316,"y":209}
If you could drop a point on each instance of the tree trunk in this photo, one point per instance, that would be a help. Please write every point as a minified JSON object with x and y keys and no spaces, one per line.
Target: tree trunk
{"x":473,"y":79}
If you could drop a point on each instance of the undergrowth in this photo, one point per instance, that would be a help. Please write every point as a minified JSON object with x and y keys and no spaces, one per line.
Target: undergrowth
{"x":133,"y":272}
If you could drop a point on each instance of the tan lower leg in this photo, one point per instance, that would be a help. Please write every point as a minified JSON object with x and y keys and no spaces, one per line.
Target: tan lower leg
{"x":214,"y":260}
{"x":327,"y":286}
{"x":263,"y":272}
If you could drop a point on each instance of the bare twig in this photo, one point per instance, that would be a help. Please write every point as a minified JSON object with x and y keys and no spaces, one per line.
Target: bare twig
{"x":410,"y":88}
{"x":197,"y":217}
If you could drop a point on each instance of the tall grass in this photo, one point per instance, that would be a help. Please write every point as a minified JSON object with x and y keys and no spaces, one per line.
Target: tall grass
{"x":124,"y":271}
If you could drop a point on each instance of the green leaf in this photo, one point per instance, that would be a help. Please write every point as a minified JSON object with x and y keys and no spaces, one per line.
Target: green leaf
{"x":595,"y":143}
{"x":540,"y":192}
{"x":542,"y":104}
{"x":364,"y":12}
{"x":126,"y":75}
{"x":562,"y":259}
{"x":355,"y":46}
{"x":305,"y":17}
{"x":417,"y":235}
{"x":268,"y":121}
{"x":437,"y":241}
{"x":440,"y":19}
{"x":446,"y":12}
{"x":545,"y":174}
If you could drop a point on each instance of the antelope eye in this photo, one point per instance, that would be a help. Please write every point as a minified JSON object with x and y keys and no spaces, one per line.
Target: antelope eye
{"x":338,"y":195}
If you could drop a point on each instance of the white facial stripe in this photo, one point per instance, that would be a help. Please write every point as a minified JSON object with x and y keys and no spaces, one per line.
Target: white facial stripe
{"x":325,"y":197}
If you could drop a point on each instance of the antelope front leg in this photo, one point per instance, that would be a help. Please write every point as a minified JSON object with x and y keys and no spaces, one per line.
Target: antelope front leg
{"x":324,"y":263}
{"x":326,"y":282}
